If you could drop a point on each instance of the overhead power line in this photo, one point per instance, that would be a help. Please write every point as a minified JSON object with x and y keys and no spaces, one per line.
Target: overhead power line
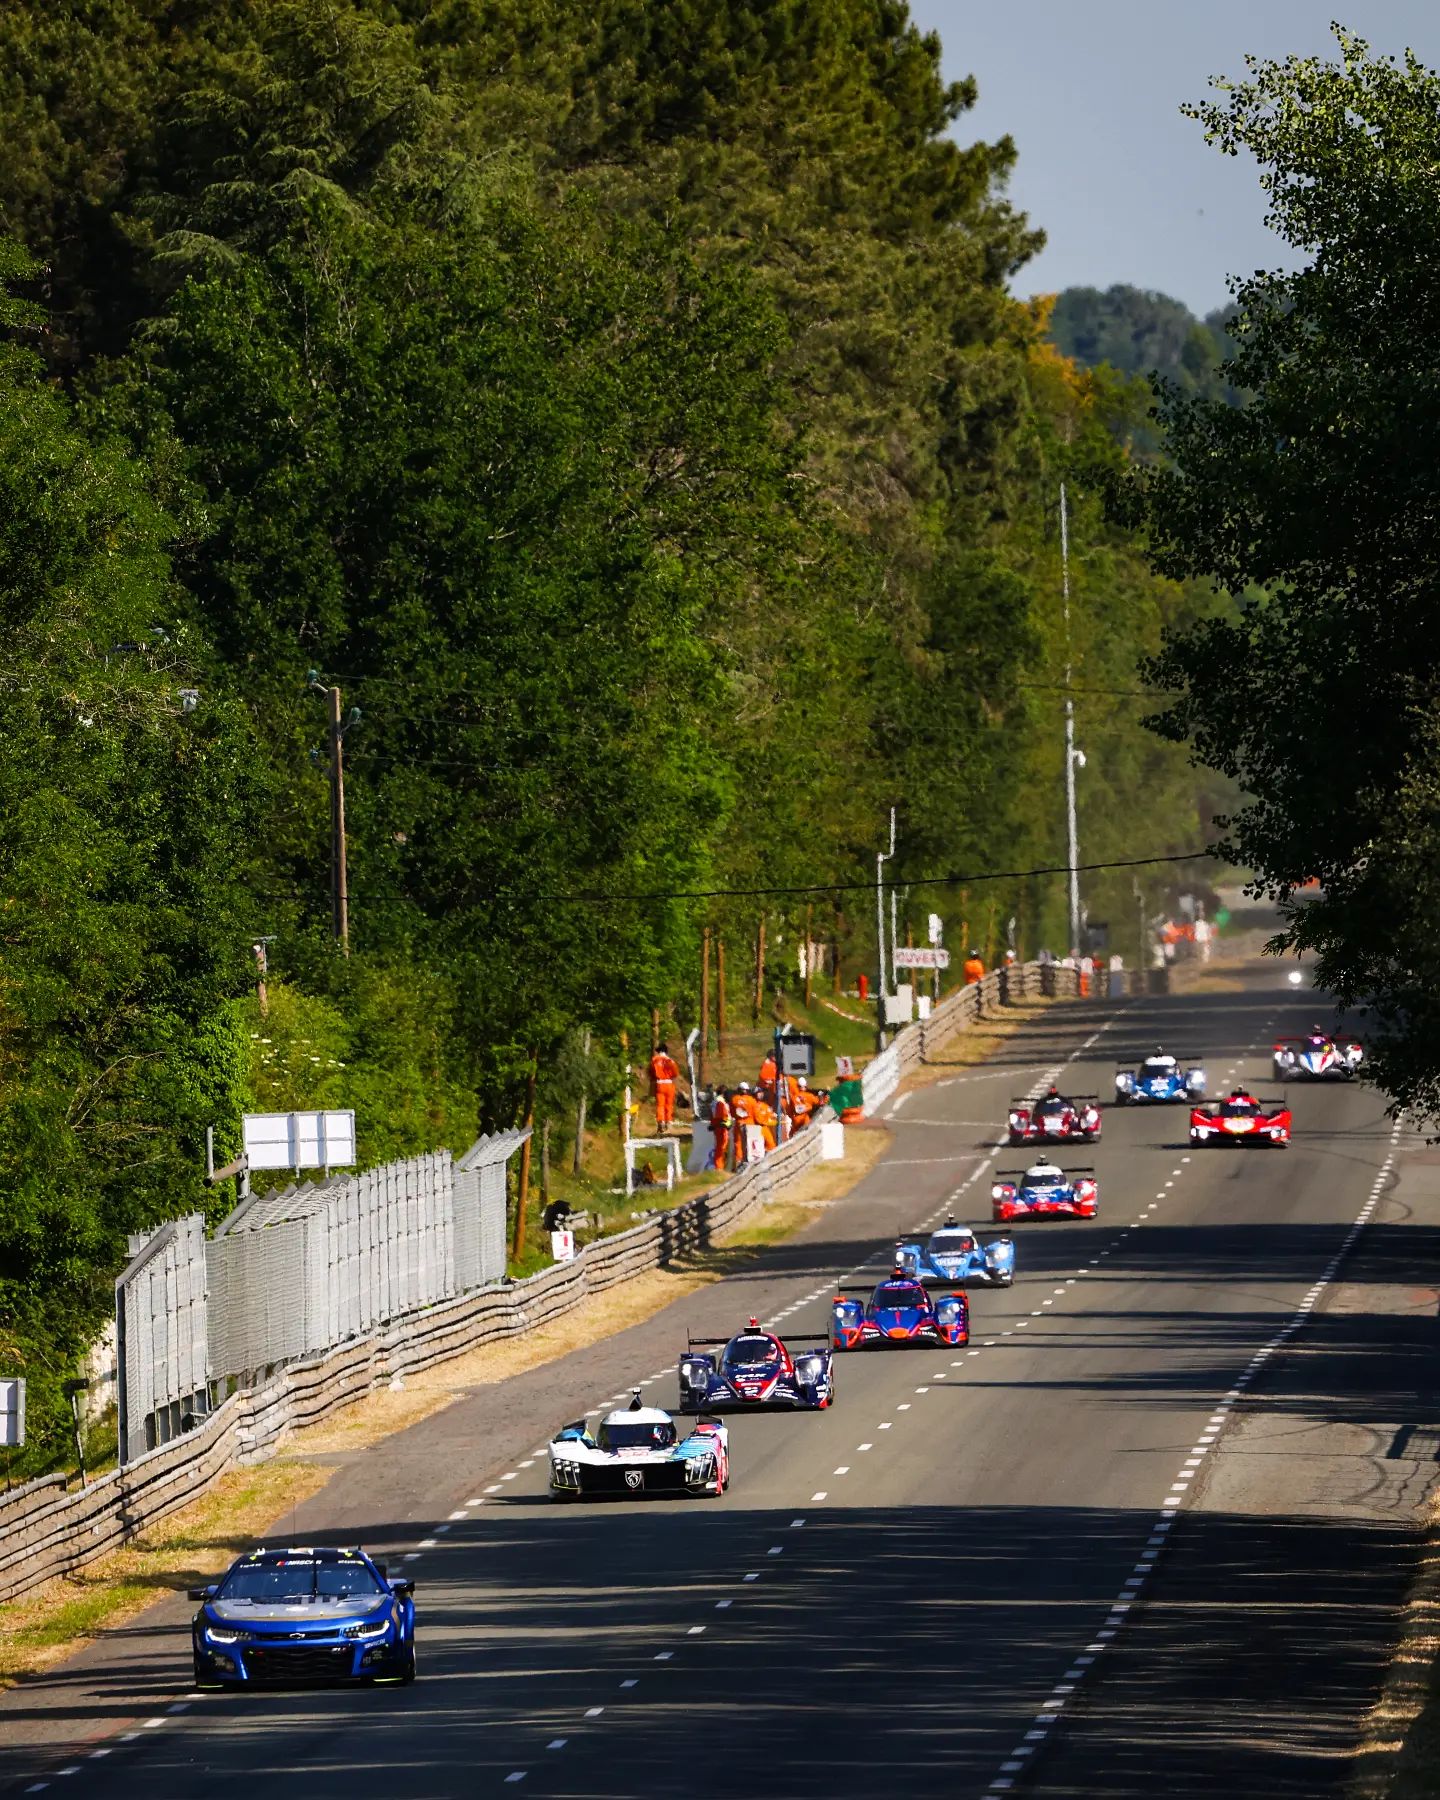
{"x":957,"y":878}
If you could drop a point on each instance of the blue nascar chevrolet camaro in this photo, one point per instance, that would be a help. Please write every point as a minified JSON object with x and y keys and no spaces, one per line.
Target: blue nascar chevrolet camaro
{"x":304,"y":1615}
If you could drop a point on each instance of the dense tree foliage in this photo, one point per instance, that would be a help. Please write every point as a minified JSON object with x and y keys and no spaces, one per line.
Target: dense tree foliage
{"x":1150,"y":338}
{"x":1313,"y":507}
{"x":625,"y":408}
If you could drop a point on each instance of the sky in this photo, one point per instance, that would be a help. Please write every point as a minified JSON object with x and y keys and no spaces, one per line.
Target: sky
{"x":1125,"y":189}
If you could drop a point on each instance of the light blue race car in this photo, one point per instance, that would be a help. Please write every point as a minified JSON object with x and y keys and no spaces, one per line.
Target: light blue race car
{"x":955,"y":1254}
{"x":1159,"y":1078}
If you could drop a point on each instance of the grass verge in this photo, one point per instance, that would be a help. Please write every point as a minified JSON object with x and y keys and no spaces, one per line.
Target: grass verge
{"x":45,"y":1626}
{"x":1399,"y":1753}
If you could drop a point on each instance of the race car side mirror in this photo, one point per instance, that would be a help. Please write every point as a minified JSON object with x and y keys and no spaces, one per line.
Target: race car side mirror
{"x":201,"y":1593}
{"x":402,"y":1588}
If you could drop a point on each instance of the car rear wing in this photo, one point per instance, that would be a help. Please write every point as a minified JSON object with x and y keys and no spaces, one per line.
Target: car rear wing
{"x":1339,"y":1040}
{"x":1018,"y":1175}
{"x":1213,"y":1106}
{"x":716,"y":1343}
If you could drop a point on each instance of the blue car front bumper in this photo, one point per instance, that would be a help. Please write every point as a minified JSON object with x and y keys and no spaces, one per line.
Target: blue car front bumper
{"x":255,"y":1656}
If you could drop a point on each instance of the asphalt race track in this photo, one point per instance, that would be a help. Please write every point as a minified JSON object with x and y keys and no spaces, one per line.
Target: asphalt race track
{"x":1114,"y":1548}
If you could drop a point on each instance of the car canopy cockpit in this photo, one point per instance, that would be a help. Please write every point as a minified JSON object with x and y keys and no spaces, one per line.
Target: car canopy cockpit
{"x":953,"y":1242}
{"x":894,"y":1294}
{"x":750,"y":1350}
{"x":626,"y":1431}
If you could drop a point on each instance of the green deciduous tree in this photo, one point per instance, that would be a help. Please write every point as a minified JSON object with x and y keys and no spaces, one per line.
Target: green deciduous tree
{"x":1313,"y":507}
{"x":119,"y":812}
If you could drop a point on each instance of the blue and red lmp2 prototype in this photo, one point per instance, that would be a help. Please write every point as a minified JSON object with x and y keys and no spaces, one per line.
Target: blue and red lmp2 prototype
{"x":899,"y":1312}
{"x":304,"y":1615}
{"x":755,"y":1368}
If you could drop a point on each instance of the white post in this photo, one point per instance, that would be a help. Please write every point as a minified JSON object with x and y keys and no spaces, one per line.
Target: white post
{"x":882,"y":857}
{"x":1071,"y":827}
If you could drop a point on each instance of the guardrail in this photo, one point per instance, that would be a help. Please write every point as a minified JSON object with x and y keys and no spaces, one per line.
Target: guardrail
{"x":47,"y":1531}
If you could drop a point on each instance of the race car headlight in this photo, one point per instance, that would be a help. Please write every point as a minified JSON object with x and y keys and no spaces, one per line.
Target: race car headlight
{"x":226,"y":1634}
{"x":697,"y":1468}
{"x":809,"y":1368}
{"x":379,"y":1629}
{"x":564,"y":1473}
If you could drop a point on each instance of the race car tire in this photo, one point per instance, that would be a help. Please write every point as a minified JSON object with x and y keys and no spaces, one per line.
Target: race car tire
{"x":205,"y":1681}
{"x":407,"y":1674}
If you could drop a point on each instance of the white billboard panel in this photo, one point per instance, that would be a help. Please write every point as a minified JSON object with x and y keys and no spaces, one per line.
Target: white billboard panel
{"x":12,"y":1413}
{"x":300,"y":1140}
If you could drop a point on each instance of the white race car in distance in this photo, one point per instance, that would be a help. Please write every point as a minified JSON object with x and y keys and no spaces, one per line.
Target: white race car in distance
{"x":1317,"y":1057}
{"x":636,"y":1452}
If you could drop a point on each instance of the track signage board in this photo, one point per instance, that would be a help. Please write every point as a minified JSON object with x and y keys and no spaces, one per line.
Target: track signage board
{"x":917,"y":956}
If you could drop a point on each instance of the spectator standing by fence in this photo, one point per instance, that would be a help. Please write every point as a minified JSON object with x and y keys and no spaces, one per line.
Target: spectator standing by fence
{"x":974,"y":969}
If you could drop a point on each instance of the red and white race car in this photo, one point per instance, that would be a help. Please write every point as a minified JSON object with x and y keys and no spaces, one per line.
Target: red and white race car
{"x":1317,"y":1057}
{"x":1055,"y":1118}
{"x":1044,"y":1192}
{"x":1241,"y":1119}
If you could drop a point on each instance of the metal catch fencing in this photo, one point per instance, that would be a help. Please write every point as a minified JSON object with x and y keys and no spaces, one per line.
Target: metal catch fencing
{"x":162,"y":1358}
{"x":295,"y":1273}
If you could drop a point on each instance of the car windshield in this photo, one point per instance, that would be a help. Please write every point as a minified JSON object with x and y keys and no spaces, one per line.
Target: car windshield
{"x":899,"y":1293}
{"x":748,"y":1352}
{"x":1044,"y":1179}
{"x":299,"y":1578}
{"x":1053,"y":1103}
{"x":659,"y":1435}
{"x":1238,"y":1109}
{"x":952,"y":1243}
{"x":1158,"y":1065}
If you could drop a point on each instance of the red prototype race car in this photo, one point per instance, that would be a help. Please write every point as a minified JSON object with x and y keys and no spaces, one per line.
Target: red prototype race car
{"x":1055,"y":1118}
{"x":1241,"y":1119}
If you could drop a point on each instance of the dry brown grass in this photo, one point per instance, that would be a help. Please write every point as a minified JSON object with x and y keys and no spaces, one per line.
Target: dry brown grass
{"x":45,"y":1626}
{"x":1399,"y":1753}
{"x":967,"y":1049}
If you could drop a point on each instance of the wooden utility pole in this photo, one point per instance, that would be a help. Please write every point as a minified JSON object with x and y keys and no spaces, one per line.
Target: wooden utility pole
{"x":809,"y":954}
{"x":261,"y":948}
{"x":704,"y":1008}
{"x":720,"y":996}
{"x":517,"y":1243}
{"x":545,"y":1163}
{"x":759,"y":999}
{"x":339,"y":874}
{"x":578,"y":1159}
